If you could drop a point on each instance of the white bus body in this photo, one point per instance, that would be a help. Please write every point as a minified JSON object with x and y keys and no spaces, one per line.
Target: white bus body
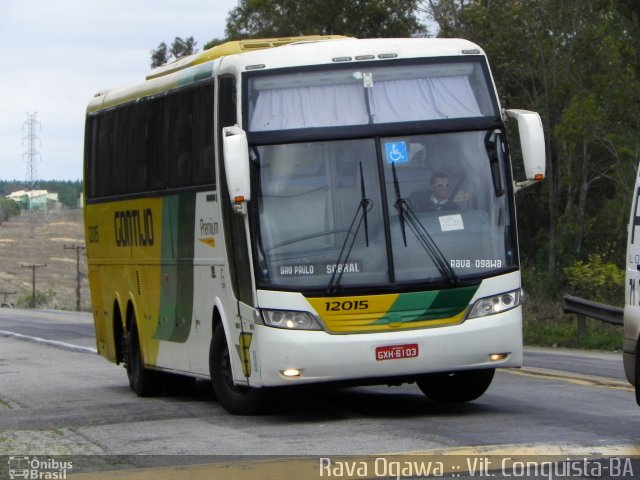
{"x":632,"y":295}
{"x":316,"y":254}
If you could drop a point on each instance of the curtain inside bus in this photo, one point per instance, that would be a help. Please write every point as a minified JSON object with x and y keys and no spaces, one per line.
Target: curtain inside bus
{"x":386,"y":101}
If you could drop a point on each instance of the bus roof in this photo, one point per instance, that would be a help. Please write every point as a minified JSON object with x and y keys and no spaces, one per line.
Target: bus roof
{"x":178,"y":72}
{"x":231,"y":48}
{"x":244,"y":55}
{"x":353,"y":50}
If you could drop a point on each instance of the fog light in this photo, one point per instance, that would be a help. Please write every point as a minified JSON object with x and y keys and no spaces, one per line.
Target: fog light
{"x":291,"y":372}
{"x":496,"y":357}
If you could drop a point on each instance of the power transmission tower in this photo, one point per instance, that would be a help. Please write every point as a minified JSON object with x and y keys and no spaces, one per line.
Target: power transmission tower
{"x":78,"y":249}
{"x":31,"y":156}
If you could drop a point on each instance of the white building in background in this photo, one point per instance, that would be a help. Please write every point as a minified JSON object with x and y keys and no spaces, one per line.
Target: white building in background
{"x":35,"y":199}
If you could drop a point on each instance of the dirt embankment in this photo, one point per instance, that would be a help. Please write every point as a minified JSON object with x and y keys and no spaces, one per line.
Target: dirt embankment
{"x":40,"y":238}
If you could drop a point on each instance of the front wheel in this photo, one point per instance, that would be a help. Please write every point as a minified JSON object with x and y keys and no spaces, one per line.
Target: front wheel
{"x":235,"y":399}
{"x":456,"y":387}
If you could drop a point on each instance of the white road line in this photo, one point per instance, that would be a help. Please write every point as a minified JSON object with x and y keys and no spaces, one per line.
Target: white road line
{"x":51,"y":343}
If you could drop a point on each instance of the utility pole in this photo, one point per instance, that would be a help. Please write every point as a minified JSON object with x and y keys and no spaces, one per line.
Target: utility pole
{"x":33,"y":268}
{"x":5,"y":303}
{"x":31,"y":155}
{"x":78,"y":249}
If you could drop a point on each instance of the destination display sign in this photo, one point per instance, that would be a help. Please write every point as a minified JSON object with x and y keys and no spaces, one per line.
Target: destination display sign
{"x":321,"y":268}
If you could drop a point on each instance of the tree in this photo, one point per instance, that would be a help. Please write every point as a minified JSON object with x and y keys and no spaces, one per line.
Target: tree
{"x":575,"y":63}
{"x":159,"y":56}
{"x":8,"y":208}
{"x":214,"y":43}
{"x":179,"y":48}
{"x":359,"y":18}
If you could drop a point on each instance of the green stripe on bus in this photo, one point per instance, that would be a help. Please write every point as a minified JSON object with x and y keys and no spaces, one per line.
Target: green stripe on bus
{"x":176,"y":298}
{"x":434,"y":305}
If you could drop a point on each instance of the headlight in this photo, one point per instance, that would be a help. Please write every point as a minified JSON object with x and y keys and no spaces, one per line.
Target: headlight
{"x":290,"y":320}
{"x":496,"y":304}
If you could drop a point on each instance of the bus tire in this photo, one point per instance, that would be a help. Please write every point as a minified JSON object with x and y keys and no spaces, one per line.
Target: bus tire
{"x":235,"y":399}
{"x":456,"y":387}
{"x":143,"y":381}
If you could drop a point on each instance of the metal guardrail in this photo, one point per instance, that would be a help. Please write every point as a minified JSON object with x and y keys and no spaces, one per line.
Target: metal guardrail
{"x":587,"y":308}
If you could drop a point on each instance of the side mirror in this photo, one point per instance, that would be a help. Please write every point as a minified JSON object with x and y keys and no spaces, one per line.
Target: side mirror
{"x":532,"y":144}
{"x":236,"y":165}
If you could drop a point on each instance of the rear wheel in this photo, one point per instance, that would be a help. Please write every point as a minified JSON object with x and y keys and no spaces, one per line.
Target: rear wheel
{"x":235,"y":399}
{"x":143,"y":381}
{"x":456,"y":387}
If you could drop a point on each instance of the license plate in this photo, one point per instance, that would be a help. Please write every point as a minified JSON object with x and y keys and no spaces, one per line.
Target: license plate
{"x":395,"y":352}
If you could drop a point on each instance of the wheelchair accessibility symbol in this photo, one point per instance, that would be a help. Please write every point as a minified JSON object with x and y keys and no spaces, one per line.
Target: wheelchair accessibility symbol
{"x":396,"y":152}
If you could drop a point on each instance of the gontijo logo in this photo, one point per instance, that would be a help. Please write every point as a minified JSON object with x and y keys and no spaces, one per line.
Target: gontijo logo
{"x":134,"y":228}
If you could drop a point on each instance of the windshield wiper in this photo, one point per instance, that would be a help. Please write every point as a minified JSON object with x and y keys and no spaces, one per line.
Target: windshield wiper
{"x":365,"y":204}
{"x":361,"y":213}
{"x":430,"y":246}
{"x":399,"y":200}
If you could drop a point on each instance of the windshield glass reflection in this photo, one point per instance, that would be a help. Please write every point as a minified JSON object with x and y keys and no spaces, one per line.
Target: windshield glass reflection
{"x":407,"y":210}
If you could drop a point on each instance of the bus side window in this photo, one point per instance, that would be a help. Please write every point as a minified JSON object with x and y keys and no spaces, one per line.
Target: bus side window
{"x":121,"y":151}
{"x":180,"y":138}
{"x":227,"y":115}
{"x":104,"y":169}
{"x":91,"y":144}
{"x":157,"y":151}
{"x":203,"y":172}
{"x":138,"y":148}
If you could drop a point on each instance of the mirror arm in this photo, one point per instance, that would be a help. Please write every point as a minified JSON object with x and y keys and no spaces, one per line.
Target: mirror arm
{"x":517,"y":186}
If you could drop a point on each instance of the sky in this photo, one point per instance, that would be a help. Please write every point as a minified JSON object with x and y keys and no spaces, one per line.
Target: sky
{"x":58,"y":54}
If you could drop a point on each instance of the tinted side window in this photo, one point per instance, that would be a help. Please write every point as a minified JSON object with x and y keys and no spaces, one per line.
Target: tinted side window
{"x":203,"y":171}
{"x":152,"y":144}
{"x":102,"y":172}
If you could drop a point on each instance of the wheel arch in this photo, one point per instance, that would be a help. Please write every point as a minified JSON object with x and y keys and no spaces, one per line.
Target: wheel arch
{"x":218,"y":318}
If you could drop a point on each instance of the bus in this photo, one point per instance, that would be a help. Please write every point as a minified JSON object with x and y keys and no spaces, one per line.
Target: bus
{"x":261,"y":214}
{"x":631,"y":312}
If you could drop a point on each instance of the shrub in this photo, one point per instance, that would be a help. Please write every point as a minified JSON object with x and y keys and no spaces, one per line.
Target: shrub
{"x":596,"y":280}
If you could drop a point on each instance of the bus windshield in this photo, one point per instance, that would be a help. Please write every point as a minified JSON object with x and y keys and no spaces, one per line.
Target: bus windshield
{"x":353,"y":206}
{"x":420,"y":209}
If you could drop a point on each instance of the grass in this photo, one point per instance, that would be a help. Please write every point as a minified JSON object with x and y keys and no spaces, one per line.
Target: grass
{"x":545,"y":325}
{"x":40,"y":238}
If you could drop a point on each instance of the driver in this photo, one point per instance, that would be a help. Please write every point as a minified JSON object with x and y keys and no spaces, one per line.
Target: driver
{"x":439,"y":198}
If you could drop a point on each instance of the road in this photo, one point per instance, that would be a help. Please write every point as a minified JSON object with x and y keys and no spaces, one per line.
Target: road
{"x":56,"y":400}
